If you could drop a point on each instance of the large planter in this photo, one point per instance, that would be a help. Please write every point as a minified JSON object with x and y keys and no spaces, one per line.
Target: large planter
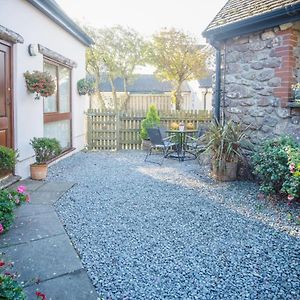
{"x":38,"y":171}
{"x":146,"y":145}
{"x":224,"y":170}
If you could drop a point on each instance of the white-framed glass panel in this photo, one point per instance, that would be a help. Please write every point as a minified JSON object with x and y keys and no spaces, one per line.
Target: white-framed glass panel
{"x":61,"y":130}
{"x":50,"y":103}
{"x":64,"y":89}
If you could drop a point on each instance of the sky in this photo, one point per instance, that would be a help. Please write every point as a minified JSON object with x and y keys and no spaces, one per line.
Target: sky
{"x":146,"y":17}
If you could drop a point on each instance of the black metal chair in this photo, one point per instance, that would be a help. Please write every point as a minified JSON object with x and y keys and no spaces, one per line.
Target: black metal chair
{"x":159,"y":142}
{"x":197,"y":143}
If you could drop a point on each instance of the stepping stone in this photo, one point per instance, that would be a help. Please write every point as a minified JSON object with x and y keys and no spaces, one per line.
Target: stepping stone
{"x":44,"y":259}
{"x":45,"y":197}
{"x":27,"y":210}
{"x":31,"y":228}
{"x":76,"y":285}
{"x":52,"y":186}
{"x":30,"y":184}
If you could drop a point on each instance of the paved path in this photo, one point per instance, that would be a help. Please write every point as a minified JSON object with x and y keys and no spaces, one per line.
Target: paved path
{"x":41,"y":250}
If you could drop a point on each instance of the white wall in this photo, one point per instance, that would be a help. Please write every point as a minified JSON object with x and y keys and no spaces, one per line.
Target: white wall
{"x":36,"y":28}
{"x":198,"y":96}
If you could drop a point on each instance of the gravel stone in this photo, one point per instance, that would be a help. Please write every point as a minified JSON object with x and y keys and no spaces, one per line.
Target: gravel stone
{"x":145,"y":231}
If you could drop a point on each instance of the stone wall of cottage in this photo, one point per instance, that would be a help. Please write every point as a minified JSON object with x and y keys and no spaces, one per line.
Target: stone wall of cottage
{"x":259,"y":70}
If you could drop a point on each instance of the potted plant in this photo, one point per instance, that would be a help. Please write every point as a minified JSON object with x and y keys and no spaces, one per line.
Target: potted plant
{"x":296,"y":92}
{"x":8,"y":159}
{"x":152,"y":120}
{"x":40,"y":83}
{"x":45,"y":149}
{"x":225,"y":143}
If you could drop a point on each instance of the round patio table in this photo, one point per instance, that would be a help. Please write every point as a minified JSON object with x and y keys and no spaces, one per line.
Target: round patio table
{"x":183,"y":153}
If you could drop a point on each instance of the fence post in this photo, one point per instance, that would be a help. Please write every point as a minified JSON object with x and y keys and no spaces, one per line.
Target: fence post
{"x":118,"y":130}
{"x":89,"y":129}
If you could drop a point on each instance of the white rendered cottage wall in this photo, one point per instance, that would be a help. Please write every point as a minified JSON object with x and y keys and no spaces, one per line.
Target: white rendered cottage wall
{"x":36,"y":28}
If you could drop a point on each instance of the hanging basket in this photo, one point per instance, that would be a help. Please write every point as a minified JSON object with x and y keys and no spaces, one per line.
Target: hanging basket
{"x":39,"y":83}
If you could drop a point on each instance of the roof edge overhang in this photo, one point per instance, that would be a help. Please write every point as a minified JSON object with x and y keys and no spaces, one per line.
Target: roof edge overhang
{"x":270,"y":19}
{"x":60,"y":18}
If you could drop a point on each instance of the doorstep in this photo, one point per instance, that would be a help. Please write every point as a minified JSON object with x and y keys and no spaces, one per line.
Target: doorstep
{"x":8,"y":181}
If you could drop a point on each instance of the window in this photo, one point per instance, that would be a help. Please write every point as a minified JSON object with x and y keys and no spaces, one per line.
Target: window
{"x":57,"y":108}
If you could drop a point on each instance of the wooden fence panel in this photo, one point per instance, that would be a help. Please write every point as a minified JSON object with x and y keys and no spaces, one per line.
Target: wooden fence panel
{"x":110,"y":130}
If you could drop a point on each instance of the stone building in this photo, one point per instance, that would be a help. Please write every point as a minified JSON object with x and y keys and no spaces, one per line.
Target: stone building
{"x":257,"y":61}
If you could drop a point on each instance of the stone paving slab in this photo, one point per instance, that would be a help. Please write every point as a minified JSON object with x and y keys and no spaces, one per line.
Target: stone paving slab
{"x":30,"y":228}
{"x":44,"y":259}
{"x":44,"y":197}
{"x":55,"y":186}
{"x":72,"y":286}
{"x":40,"y":248}
{"x":27,"y":210}
{"x":30,"y":184}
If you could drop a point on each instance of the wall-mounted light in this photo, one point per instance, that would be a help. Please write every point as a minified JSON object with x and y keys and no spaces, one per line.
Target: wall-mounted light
{"x":33,"y":49}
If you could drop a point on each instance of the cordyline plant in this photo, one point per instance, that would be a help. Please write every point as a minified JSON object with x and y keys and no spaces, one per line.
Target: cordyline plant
{"x":225,"y":141}
{"x":40,"y":83}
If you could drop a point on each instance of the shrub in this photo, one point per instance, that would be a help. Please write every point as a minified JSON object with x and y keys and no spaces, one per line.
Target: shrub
{"x":152,"y":120}
{"x":271,"y":164}
{"x":45,"y":149}
{"x":8,"y":158}
{"x":10,"y":289}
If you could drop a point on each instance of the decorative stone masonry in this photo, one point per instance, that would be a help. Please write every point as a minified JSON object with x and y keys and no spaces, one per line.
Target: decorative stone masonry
{"x":258,"y":71}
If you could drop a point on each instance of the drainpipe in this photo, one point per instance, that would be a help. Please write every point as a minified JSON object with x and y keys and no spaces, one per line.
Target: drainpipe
{"x":217,"y":96}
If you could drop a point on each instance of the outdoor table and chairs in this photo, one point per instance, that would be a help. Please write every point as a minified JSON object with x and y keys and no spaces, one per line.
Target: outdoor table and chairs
{"x":181,"y":144}
{"x":183,"y":152}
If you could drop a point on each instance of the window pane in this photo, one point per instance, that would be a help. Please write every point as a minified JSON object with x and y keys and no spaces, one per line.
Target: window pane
{"x":50,"y":103}
{"x":64,"y":89}
{"x":61,"y":130}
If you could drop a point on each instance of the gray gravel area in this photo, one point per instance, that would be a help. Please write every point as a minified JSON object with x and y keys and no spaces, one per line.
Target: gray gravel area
{"x":145,"y":231}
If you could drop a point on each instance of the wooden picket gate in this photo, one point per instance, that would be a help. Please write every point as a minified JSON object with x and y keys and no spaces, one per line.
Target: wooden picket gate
{"x":111,"y":130}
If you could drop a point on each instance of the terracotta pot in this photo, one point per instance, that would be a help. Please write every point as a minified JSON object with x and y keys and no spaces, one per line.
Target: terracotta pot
{"x":38,"y":171}
{"x":146,"y":145}
{"x":224,"y":170}
{"x":4,"y":173}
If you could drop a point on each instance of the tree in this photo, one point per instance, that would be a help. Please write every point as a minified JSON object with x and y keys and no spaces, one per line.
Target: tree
{"x":177,"y":57}
{"x":117,"y":51}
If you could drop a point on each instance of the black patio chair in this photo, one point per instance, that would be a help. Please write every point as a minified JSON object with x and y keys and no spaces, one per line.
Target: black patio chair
{"x":159,"y":142}
{"x":196,"y":143}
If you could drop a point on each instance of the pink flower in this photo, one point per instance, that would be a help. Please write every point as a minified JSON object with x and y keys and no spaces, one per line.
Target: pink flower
{"x":17,"y":200}
{"x":290,"y":197}
{"x":1,"y":228}
{"x":40,"y":295}
{"x":21,"y":189}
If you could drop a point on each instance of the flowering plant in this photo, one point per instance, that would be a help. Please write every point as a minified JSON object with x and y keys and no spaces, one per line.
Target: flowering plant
{"x":8,"y":201}
{"x":296,"y":91}
{"x":292,"y":184}
{"x":40,"y":83}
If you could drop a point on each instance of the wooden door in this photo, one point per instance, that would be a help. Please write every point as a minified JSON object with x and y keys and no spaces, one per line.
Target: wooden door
{"x":5,"y":96}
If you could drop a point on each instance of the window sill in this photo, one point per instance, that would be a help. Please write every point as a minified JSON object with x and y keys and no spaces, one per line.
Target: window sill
{"x":61,"y":155}
{"x":294,"y":104}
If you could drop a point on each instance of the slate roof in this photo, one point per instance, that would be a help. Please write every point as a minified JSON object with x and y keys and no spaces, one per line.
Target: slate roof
{"x":144,"y":83}
{"x":205,"y":82}
{"x":238,"y":10}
